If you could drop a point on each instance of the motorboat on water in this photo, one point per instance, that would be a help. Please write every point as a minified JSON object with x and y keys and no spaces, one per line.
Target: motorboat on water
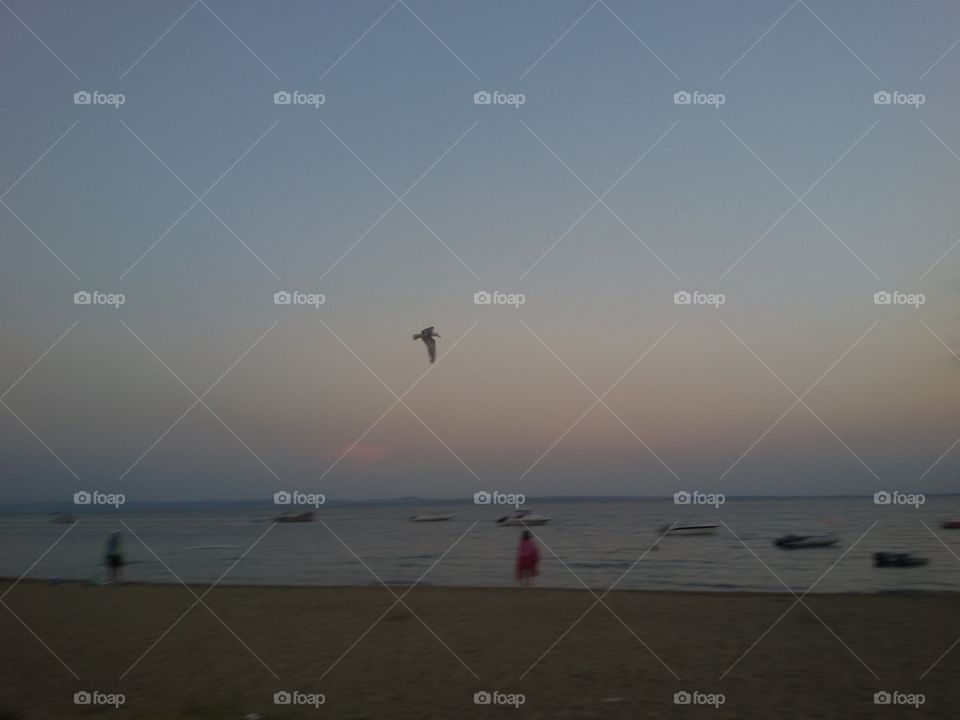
{"x":523,"y":517}
{"x":430,"y":517}
{"x":951,"y":525}
{"x":891,"y":559}
{"x":295,"y":517}
{"x":795,"y":542}
{"x":701,"y":529}
{"x":63,"y":519}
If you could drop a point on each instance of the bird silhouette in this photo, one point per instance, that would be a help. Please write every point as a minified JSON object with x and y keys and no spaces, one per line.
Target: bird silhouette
{"x":428,"y":335}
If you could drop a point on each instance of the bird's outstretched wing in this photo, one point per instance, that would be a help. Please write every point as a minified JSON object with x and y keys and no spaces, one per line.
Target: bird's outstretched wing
{"x":431,"y":346}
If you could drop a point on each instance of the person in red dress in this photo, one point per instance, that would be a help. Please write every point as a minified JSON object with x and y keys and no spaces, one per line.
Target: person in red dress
{"x":528,"y":557}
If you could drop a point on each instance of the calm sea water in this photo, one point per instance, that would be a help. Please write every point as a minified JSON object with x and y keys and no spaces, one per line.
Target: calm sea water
{"x":592,"y":542}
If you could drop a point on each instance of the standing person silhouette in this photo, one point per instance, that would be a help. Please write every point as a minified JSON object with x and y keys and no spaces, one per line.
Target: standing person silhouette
{"x":528,"y":558}
{"x":114,"y":556}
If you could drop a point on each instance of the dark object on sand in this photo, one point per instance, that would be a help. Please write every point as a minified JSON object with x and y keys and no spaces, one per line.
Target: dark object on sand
{"x":889,"y":559}
{"x":295,"y":517}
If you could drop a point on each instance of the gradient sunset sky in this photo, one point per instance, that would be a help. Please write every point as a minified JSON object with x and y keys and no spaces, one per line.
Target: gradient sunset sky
{"x":504,"y":198}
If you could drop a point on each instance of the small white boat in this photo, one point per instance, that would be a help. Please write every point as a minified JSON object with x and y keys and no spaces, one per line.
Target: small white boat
{"x":794,"y":542}
{"x":702,"y":529}
{"x":522,"y":517}
{"x":430,"y":517}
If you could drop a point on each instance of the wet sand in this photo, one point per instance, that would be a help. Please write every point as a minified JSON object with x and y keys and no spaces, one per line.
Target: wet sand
{"x":420,"y":662}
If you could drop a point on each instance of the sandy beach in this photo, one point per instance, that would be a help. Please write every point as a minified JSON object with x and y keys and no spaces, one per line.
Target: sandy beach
{"x":628,"y":661}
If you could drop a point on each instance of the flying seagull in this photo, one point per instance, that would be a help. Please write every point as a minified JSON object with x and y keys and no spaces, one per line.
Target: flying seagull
{"x":428,"y":335}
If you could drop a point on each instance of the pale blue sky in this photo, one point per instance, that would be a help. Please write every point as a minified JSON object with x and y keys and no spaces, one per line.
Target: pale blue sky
{"x":504,"y":186}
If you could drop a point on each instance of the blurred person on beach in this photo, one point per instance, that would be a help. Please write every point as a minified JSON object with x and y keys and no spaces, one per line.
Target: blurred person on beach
{"x":528,"y":557}
{"x":114,"y":556}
